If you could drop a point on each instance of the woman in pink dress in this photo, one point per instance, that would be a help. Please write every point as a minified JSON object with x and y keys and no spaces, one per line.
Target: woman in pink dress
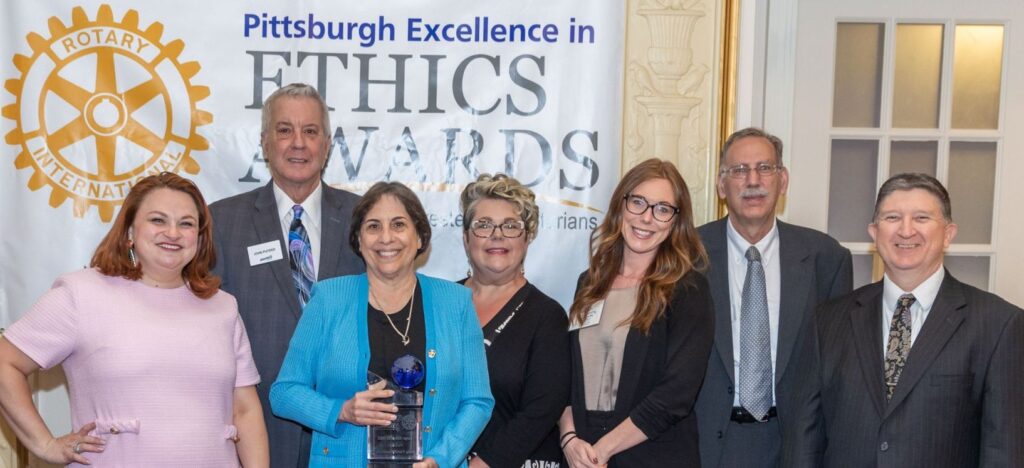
{"x":157,"y":360}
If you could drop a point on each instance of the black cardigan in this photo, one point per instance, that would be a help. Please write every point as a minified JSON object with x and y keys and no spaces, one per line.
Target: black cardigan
{"x":660,"y":377}
{"x":528,"y":364}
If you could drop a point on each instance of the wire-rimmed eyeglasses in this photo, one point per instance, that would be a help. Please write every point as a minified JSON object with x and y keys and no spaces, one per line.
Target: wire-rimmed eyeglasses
{"x":741,"y":171}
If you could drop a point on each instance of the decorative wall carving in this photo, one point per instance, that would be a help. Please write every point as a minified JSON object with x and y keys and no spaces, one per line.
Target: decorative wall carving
{"x":671,"y":91}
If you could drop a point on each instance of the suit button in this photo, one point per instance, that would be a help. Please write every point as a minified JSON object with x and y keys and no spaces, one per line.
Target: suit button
{"x":884,"y":446}
{"x":719,"y":434}
{"x":325,"y":450}
{"x":426,"y":429}
{"x":433,"y":391}
{"x":431,"y":353}
{"x":730,"y":389}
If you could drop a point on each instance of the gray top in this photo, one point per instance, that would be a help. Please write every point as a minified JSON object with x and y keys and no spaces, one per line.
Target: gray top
{"x":601,"y":348}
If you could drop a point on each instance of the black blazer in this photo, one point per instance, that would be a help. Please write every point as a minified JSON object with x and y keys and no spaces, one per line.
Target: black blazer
{"x":958,"y":402}
{"x":660,"y":376}
{"x":814,"y":269}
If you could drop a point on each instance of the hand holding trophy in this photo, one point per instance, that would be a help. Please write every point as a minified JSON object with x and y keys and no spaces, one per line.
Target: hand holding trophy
{"x":399,"y":444}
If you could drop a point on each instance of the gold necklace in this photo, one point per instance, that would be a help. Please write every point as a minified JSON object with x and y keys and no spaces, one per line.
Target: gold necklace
{"x":408,"y":318}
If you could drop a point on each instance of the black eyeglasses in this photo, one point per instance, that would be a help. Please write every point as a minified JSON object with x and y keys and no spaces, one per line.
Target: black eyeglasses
{"x":742,"y":171}
{"x":638,"y":205}
{"x":509,"y":229}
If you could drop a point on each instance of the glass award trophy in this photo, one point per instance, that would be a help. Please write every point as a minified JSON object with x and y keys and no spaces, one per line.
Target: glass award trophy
{"x":399,"y":444}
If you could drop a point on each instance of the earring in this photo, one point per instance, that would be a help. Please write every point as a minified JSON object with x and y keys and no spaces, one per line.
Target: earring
{"x":469,"y":272}
{"x":131,"y":254}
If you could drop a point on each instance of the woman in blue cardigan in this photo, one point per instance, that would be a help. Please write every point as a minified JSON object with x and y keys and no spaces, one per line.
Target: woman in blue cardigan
{"x":355,"y":324}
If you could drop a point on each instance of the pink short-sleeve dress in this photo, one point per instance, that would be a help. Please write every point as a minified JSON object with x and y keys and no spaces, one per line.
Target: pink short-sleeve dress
{"x":154,"y":368}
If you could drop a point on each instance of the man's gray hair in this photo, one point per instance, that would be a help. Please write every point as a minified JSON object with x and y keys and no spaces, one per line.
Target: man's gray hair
{"x":750,"y":132}
{"x":295,"y":90}
{"x":911,"y":181}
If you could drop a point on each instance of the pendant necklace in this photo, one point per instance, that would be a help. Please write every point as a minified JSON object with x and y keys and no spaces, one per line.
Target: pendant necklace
{"x":408,"y":318}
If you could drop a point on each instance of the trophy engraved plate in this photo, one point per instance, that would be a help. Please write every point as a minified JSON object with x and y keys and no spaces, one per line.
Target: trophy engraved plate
{"x":399,"y":444}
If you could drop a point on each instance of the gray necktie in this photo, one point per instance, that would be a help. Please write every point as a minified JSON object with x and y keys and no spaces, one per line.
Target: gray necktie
{"x":755,"y":340}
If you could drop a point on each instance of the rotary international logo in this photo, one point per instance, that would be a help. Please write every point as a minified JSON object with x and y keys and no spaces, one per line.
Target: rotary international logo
{"x":100,"y":104}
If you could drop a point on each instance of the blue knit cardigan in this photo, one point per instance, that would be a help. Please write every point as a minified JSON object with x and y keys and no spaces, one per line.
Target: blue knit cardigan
{"x":329,"y":354}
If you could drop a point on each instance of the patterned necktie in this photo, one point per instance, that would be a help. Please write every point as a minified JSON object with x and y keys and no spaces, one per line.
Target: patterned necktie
{"x":899,"y":344}
{"x":300,"y":256}
{"x":755,"y":340}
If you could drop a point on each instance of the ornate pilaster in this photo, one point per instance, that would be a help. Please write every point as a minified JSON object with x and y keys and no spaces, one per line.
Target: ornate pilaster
{"x":672,"y":89}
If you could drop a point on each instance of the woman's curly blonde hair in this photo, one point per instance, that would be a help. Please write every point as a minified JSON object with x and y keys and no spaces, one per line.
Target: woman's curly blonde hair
{"x":501,"y":187}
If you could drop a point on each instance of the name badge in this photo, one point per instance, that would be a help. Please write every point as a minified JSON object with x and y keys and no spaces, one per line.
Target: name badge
{"x":265,"y":253}
{"x":592,"y":318}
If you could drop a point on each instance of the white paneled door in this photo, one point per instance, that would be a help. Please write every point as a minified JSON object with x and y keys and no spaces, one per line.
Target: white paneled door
{"x":936,"y":86}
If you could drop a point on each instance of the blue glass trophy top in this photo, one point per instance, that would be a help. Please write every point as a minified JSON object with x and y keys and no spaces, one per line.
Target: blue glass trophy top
{"x":407,"y":372}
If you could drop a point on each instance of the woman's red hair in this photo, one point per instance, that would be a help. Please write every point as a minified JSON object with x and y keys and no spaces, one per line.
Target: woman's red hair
{"x":677,"y":255}
{"x":111,"y":256}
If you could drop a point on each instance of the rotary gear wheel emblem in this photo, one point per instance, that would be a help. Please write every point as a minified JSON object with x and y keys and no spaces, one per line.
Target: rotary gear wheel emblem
{"x":102,"y":104}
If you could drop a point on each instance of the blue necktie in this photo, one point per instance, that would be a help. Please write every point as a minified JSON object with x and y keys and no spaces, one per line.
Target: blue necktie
{"x":300,"y":256}
{"x":755,"y":340}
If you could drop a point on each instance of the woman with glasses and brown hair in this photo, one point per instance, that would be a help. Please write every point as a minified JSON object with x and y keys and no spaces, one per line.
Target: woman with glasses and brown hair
{"x":159,"y":368}
{"x":524,"y":329}
{"x":642,"y":327}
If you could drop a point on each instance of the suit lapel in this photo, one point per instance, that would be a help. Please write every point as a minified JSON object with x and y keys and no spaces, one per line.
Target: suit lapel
{"x":331,"y":235}
{"x":945,"y":317}
{"x":718,"y":277}
{"x":268,"y":228}
{"x":866,"y":318}
{"x":797,"y":275}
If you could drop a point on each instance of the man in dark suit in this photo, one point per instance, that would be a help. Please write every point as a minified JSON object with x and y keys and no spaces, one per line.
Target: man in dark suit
{"x":918,"y":369}
{"x":275,"y":241}
{"x":759,"y":308}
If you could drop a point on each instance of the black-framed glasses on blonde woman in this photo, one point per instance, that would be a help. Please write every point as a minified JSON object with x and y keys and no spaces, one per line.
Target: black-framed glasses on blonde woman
{"x":485,"y":228}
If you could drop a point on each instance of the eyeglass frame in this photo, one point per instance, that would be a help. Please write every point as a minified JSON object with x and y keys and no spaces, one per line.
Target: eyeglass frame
{"x":498,"y":226}
{"x":742,"y":171}
{"x":650,"y":206}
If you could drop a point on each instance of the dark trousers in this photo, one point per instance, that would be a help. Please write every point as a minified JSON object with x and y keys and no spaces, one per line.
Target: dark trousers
{"x":752,"y":445}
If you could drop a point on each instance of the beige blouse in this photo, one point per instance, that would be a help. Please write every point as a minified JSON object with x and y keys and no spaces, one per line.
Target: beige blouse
{"x":601,"y":348}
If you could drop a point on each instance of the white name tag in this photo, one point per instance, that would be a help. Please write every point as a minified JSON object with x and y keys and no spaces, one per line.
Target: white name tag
{"x":265,"y":253}
{"x":592,"y":318}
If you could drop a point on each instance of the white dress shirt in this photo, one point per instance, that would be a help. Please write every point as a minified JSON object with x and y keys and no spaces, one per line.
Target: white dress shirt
{"x":924,"y":298}
{"x":310,"y":219}
{"x":769,"y":248}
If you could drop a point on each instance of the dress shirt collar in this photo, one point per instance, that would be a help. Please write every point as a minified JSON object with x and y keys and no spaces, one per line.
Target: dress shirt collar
{"x":767,"y":246}
{"x":310,"y":207}
{"x":924,"y":294}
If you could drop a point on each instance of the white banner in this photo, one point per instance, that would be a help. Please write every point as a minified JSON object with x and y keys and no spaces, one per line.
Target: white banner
{"x":97,"y":95}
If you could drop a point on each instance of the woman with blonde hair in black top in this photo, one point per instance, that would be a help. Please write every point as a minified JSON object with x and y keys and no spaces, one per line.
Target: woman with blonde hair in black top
{"x":524,"y":330}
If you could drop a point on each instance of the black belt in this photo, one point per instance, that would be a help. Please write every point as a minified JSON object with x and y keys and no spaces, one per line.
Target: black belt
{"x":742,"y":416}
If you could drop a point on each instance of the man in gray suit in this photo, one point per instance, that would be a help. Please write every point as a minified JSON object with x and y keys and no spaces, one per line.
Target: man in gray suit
{"x":766,"y":277}
{"x":274,"y":241}
{"x":917,"y":369}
